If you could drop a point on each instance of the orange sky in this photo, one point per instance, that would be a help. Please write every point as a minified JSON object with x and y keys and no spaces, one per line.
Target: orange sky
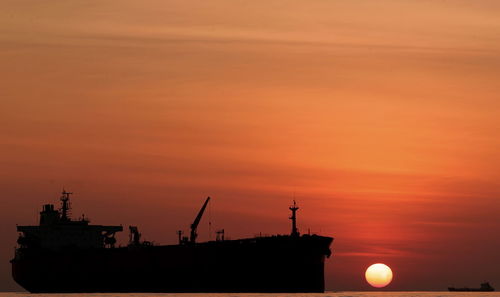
{"x":381,"y":116}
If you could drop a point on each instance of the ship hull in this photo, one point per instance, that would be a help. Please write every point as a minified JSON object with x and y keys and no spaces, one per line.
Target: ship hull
{"x":470,"y":290}
{"x":267,"y":264}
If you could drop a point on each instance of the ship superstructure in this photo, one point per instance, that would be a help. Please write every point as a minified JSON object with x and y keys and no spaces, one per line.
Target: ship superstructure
{"x":57,"y":230}
{"x":65,"y":255}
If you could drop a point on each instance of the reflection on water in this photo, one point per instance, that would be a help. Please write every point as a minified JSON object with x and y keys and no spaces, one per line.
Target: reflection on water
{"x":327,"y":294}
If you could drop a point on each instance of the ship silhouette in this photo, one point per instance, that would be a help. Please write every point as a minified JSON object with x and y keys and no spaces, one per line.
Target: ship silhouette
{"x":62,"y":255}
{"x":485,"y":287}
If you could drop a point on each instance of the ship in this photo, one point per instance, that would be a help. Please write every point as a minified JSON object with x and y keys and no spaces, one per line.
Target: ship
{"x":485,"y":287}
{"x":65,"y":255}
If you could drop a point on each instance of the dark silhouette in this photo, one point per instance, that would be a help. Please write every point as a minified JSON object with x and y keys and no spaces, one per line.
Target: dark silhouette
{"x":485,"y":287}
{"x":194,"y":225}
{"x":65,"y":255}
{"x":294,"y":208}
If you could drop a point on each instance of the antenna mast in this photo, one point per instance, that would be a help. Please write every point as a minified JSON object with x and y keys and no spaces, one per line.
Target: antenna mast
{"x":65,"y":205}
{"x":294,"y":209}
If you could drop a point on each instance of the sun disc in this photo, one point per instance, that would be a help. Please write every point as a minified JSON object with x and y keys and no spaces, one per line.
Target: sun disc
{"x":378,"y":275}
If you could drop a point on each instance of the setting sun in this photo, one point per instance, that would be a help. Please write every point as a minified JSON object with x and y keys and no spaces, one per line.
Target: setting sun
{"x":378,"y":275}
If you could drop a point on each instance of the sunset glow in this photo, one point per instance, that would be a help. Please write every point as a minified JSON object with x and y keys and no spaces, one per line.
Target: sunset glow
{"x":381,"y":118}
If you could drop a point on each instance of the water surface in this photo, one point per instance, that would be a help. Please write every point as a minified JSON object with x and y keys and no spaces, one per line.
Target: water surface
{"x":327,"y":294}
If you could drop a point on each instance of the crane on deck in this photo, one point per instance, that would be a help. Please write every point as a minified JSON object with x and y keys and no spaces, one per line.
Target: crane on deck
{"x":194,"y":225}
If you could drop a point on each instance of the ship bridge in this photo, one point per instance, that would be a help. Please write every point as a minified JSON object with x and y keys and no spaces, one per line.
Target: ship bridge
{"x":57,"y":230}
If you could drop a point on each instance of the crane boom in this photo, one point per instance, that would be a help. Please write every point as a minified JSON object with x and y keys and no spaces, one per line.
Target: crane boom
{"x":194,"y":225}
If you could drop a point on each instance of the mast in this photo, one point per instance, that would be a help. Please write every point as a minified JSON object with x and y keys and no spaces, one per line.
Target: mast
{"x":179,"y":233}
{"x":65,"y":205}
{"x":294,"y":209}
{"x":194,"y":225}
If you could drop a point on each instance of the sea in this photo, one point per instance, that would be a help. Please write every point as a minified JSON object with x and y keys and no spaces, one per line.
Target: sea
{"x":326,"y":294}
